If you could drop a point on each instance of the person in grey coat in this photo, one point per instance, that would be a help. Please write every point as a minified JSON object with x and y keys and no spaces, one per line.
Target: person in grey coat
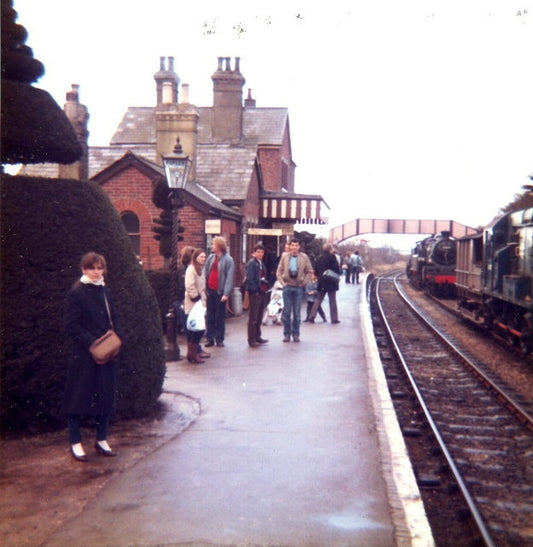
{"x":219,"y":276}
{"x":90,"y":389}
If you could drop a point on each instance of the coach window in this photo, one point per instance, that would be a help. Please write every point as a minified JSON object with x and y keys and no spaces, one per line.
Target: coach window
{"x":133,"y":227}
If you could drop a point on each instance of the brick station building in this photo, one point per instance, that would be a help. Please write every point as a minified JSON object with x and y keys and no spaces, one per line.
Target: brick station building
{"x":241,"y":182}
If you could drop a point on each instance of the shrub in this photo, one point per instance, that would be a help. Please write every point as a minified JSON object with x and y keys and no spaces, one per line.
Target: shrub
{"x":160,"y":282}
{"x":47,"y":225}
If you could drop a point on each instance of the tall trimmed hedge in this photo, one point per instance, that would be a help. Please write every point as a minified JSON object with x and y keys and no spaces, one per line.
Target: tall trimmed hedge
{"x":47,"y":225}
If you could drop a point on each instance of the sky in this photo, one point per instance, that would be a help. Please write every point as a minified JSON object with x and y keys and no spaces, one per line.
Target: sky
{"x":397,"y":109}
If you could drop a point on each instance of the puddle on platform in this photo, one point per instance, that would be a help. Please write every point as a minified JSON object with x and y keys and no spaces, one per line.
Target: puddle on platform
{"x":347,"y":521}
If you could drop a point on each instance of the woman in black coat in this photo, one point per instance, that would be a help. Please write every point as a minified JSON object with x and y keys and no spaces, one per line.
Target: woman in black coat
{"x":90,"y":389}
{"x":326,"y":284}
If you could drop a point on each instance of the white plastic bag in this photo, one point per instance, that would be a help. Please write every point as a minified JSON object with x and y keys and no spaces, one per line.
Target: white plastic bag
{"x":196,"y":319}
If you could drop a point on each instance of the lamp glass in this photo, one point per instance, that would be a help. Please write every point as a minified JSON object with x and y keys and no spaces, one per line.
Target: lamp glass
{"x":177,"y":170}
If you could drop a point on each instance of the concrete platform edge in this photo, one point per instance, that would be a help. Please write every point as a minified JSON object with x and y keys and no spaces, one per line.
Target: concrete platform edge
{"x":411,"y":526}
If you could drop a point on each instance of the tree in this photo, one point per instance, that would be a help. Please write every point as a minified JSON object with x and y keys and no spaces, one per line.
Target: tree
{"x":521,"y":201}
{"x":34,"y":128}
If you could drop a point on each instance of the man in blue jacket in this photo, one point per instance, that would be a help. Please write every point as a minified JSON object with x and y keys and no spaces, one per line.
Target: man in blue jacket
{"x":219,"y":275}
{"x":257,"y":286}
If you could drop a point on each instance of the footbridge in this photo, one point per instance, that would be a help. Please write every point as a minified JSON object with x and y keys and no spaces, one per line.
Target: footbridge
{"x":361,"y":226}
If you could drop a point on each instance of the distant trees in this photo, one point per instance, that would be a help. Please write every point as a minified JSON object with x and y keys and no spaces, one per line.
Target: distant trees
{"x":521,"y":201}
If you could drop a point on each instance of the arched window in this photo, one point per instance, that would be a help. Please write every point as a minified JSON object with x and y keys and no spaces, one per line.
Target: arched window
{"x":133,"y":227}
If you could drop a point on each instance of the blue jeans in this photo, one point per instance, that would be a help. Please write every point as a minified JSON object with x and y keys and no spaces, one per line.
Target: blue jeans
{"x":292,"y":307}
{"x":215,"y":317}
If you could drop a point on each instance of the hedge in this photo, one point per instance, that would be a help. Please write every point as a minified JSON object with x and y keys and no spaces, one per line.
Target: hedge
{"x":47,"y":225}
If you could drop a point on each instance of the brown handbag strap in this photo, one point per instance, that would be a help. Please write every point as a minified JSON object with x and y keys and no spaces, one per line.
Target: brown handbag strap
{"x":109,"y":312}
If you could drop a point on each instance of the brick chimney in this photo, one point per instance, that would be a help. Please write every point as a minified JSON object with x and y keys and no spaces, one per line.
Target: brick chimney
{"x":173,"y":119}
{"x":78,"y":116}
{"x":227,"y":101}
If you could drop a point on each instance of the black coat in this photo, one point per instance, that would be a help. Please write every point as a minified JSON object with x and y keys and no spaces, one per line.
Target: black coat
{"x":90,"y":388}
{"x":327,"y":261}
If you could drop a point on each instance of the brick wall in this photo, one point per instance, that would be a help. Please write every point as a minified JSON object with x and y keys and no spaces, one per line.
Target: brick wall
{"x":131,"y":190}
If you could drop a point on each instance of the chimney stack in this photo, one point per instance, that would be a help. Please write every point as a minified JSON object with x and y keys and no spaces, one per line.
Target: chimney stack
{"x":173,"y":120}
{"x":78,"y":116}
{"x":249,"y":102}
{"x":227,"y":102}
{"x":166,"y":77}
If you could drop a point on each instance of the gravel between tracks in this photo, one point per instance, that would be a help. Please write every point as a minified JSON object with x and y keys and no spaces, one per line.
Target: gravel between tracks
{"x":516,"y":371}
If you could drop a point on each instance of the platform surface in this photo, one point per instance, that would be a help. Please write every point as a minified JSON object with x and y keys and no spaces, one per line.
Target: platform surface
{"x":285,"y":452}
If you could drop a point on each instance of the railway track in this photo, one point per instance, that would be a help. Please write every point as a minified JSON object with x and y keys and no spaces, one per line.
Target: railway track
{"x":484,"y":437}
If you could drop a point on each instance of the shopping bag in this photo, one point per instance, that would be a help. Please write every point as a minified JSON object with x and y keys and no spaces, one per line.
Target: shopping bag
{"x":196,"y":318}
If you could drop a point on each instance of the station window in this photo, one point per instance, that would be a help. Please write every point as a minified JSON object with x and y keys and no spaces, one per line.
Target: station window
{"x":133,"y":227}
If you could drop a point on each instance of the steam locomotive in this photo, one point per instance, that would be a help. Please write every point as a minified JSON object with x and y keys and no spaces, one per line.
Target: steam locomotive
{"x":495,"y":277}
{"x":431,"y":266}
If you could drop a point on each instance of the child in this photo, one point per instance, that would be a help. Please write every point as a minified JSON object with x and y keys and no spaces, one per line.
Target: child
{"x":311,"y":294}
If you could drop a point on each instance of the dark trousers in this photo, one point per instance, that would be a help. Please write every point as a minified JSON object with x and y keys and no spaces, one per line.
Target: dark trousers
{"x":347,"y":274}
{"x":255,"y":315}
{"x":193,"y":335}
{"x":332,"y":297}
{"x":320,"y":311}
{"x":215,"y":317}
{"x":74,"y":428}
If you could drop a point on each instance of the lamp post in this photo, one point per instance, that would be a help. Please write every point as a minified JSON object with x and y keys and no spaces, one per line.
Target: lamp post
{"x":177,"y":165}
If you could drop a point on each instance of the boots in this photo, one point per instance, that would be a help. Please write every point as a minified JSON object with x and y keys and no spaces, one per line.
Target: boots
{"x":192,"y":353}
{"x":201,"y":354}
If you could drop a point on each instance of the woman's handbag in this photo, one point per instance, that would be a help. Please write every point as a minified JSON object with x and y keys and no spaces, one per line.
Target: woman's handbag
{"x":196,"y":318}
{"x":331,"y":275}
{"x":107,"y":347}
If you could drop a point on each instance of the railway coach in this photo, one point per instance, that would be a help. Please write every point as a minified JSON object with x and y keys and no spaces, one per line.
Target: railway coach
{"x":495,"y":277}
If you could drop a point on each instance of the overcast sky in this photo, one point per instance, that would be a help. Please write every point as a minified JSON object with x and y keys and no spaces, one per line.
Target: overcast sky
{"x":398,"y":109}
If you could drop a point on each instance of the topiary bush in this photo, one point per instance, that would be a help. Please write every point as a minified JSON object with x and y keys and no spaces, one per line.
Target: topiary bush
{"x":47,"y":225}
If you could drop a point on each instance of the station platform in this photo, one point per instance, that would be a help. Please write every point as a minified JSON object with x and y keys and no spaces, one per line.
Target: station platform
{"x":296,"y":444}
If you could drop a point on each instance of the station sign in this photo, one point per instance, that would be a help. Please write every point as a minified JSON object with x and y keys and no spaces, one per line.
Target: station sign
{"x":213,"y":226}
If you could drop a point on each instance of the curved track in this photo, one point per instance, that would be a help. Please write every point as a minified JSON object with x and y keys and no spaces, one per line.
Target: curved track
{"x":485,"y":436}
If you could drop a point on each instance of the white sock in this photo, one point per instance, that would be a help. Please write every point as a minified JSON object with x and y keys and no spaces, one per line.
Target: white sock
{"x":77,"y":449}
{"x":104,"y":445}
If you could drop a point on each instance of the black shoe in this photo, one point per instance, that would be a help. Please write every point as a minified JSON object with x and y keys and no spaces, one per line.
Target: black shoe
{"x":334,"y":322}
{"x":311,"y":321}
{"x":82,"y":458}
{"x":101,"y":450}
{"x":296,"y":338}
{"x":254,"y":344}
{"x":209,"y":344}
{"x":262,"y":341}
{"x":286,"y":338}
{"x":219,"y":344}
